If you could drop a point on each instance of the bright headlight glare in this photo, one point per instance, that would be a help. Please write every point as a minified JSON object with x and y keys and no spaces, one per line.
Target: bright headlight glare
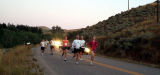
{"x":57,"y":43}
{"x":87,"y":50}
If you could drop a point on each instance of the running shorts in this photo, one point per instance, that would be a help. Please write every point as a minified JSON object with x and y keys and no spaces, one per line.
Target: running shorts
{"x":77,"y":50}
{"x":82,"y":49}
{"x":94,"y":51}
{"x":42,"y":48}
{"x":64,"y":48}
{"x":52,"y":47}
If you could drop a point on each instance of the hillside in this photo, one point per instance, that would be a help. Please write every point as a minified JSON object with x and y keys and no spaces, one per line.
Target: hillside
{"x":120,"y":21}
{"x":132,"y":34}
{"x":71,"y":30}
{"x":45,"y":29}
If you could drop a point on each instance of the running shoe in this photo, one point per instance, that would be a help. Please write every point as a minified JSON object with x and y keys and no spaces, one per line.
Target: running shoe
{"x":65,"y":59}
{"x":81,"y":59}
{"x":76,"y":62}
{"x":41,"y":54}
{"x":91,"y":63}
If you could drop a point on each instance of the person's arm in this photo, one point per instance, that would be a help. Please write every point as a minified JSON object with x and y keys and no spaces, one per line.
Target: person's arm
{"x":46,"y":43}
{"x":50,"y":42}
{"x":53,"y":43}
{"x":62,"y":43}
{"x":80,"y":43}
{"x":73,"y":44}
{"x":84,"y":43}
{"x":96,"y":44}
{"x":41,"y":44}
{"x":89,"y":44}
{"x":68,"y":44}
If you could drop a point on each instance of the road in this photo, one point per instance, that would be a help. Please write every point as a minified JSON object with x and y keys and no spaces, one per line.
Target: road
{"x":54,"y":65}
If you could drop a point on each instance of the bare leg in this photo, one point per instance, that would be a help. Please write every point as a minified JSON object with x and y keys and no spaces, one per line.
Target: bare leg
{"x":77,"y":54}
{"x":92,"y":56}
{"x":74,"y":55}
{"x":52,"y":50}
{"x":42,"y":52}
{"x":66,"y":53}
{"x":81,"y":54}
{"x":62,"y":52}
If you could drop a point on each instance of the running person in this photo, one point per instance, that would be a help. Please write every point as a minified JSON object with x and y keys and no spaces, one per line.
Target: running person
{"x":42,"y":47}
{"x":76,"y":44}
{"x":52,"y":43}
{"x":65,"y":48}
{"x":82,"y":47}
{"x":46,"y":44}
{"x":93,"y":44}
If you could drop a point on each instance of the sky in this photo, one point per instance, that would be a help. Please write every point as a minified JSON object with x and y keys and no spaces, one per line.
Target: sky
{"x":68,"y":14}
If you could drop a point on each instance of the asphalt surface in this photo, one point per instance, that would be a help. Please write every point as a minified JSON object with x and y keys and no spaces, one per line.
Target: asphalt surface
{"x":55,"y":65}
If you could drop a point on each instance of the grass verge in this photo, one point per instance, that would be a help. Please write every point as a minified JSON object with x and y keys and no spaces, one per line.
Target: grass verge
{"x":19,"y":61}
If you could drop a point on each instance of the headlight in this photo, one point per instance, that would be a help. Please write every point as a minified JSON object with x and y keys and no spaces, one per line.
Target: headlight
{"x":57,"y":43}
{"x":87,"y":50}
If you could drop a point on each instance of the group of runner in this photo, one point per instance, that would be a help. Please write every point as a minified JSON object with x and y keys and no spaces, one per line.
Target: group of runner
{"x":78,"y":46}
{"x":45,"y":43}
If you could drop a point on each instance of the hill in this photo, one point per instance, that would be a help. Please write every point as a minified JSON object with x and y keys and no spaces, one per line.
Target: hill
{"x":71,"y":30}
{"x":121,"y":20}
{"x":132,"y":34}
{"x":45,"y":29}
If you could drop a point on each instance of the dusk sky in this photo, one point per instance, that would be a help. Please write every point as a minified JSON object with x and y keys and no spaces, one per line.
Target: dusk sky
{"x":69,"y":14}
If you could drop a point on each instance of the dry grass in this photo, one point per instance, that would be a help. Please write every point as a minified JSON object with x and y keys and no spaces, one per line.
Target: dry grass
{"x":18,"y":61}
{"x":139,"y":42}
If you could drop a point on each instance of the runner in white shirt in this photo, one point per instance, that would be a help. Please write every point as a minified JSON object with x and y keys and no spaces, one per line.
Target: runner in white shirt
{"x":76,"y":44}
{"x":82,"y":47}
{"x":46,"y":42}
{"x":52,"y":43}
{"x":42,"y":47}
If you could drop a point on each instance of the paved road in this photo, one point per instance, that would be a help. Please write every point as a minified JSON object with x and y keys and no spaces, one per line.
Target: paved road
{"x":54,"y":65}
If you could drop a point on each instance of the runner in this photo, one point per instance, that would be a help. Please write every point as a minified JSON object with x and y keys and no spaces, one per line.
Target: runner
{"x":82,"y":47}
{"x":46,"y":44}
{"x":65,"y":48}
{"x":76,"y":44}
{"x":42,"y":47}
{"x":93,"y":44}
{"x":52,"y":43}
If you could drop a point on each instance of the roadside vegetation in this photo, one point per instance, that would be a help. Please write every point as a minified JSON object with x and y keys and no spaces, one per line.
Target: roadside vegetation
{"x":18,"y":61}
{"x":16,"y":57}
{"x":132,"y":34}
{"x":57,"y":32}
{"x":14,"y":35}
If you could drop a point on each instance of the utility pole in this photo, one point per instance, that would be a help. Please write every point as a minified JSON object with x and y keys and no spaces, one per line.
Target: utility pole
{"x":157,"y":11}
{"x":128,"y":4}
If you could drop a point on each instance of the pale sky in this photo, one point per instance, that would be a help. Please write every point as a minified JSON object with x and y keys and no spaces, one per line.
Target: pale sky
{"x":69,"y":14}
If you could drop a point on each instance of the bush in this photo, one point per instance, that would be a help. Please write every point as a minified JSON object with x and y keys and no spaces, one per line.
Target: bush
{"x":12,"y":35}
